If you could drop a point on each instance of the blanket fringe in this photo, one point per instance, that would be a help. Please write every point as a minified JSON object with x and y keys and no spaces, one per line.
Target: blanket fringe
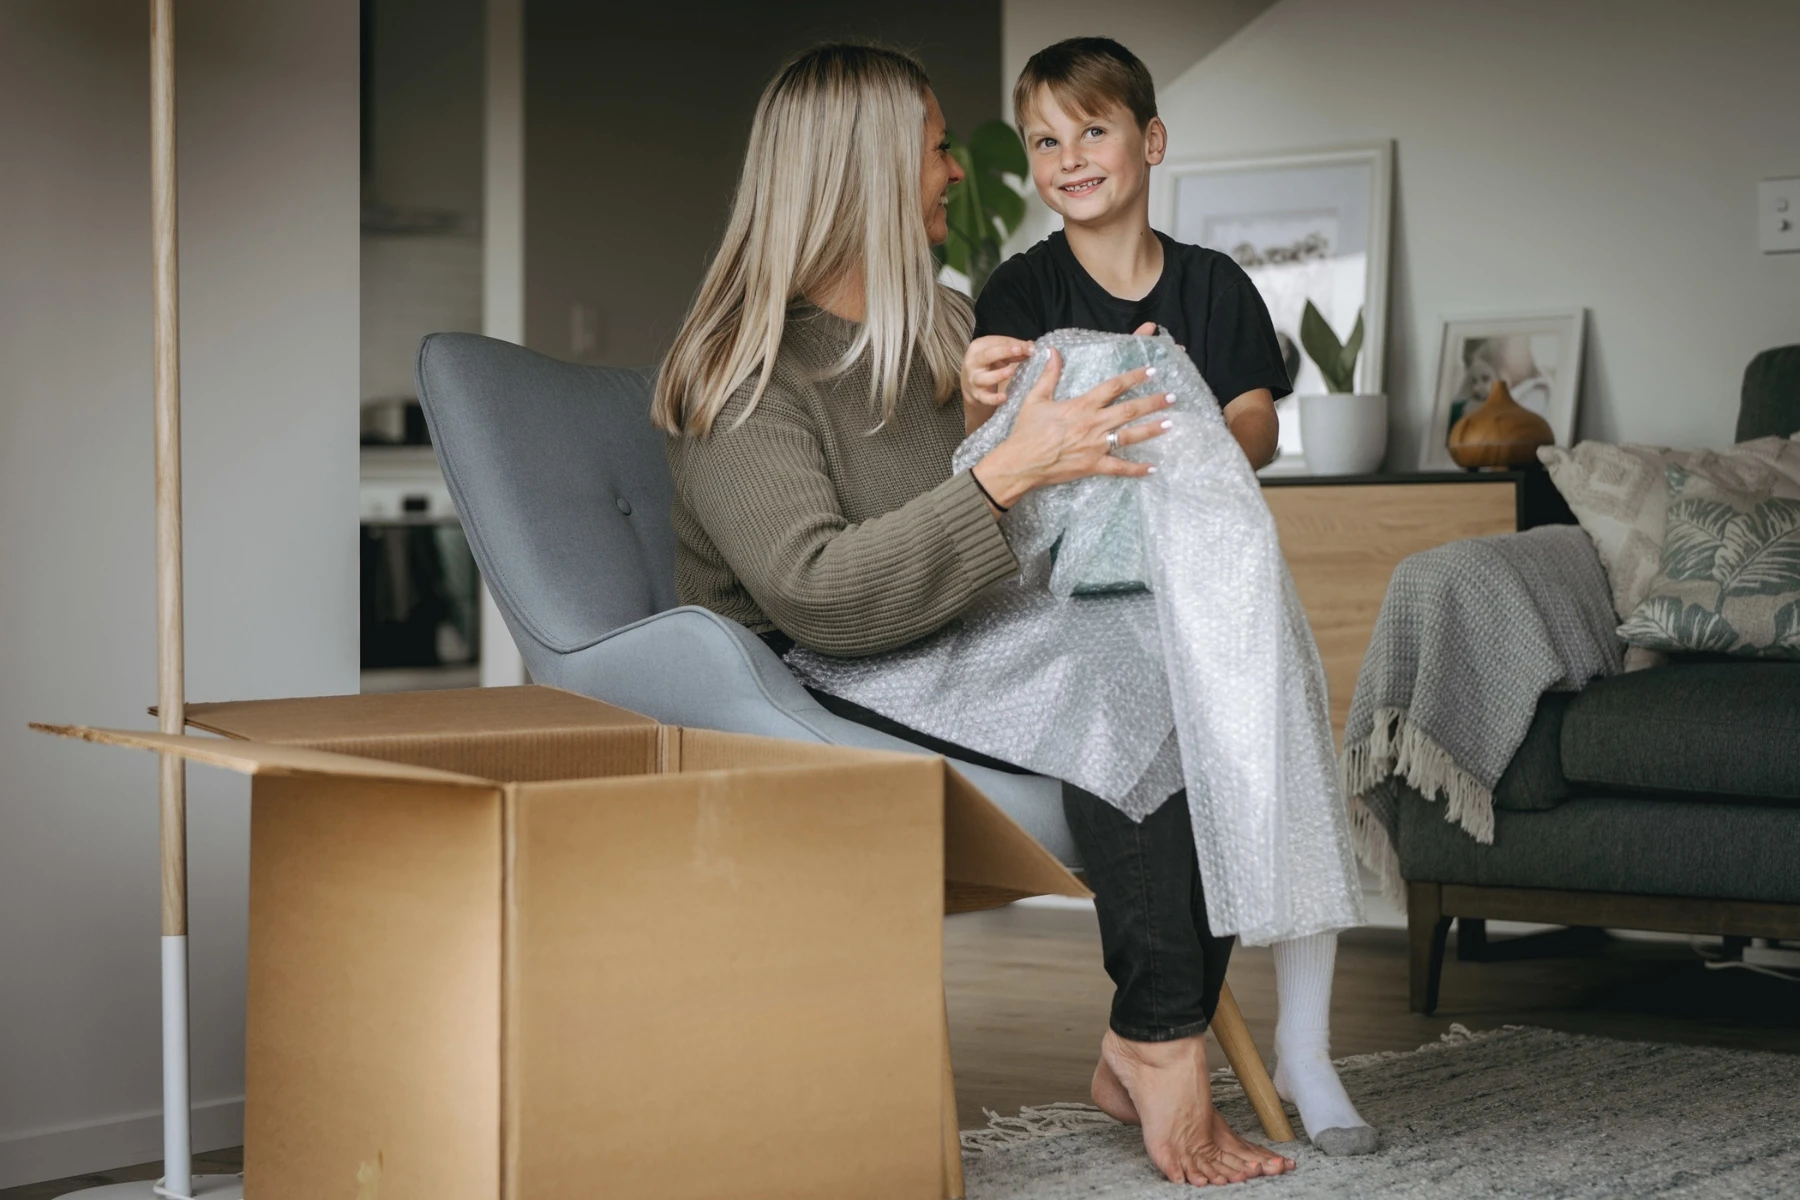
{"x":1395,"y":746}
{"x":1375,"y":850}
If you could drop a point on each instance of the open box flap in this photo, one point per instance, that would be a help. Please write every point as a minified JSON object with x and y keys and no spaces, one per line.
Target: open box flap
{"x":982,"y":845}
{"x":439,"y":714}
{"x":258,"y":758}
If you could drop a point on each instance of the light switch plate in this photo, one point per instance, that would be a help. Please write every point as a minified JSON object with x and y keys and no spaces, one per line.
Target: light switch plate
{"x":1778,"y":215}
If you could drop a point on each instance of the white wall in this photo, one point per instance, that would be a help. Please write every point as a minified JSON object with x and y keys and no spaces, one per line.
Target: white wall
{"x":1548,"y":154}
{"x":268,"y":162}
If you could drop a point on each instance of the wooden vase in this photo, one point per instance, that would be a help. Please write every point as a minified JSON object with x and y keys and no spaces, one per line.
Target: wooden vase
{"x":1499,"y":433}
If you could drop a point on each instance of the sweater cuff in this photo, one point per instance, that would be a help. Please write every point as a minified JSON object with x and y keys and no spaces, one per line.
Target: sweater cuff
{"x":974,"y":530}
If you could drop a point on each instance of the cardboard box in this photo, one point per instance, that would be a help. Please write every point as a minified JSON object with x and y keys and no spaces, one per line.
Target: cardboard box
{"x":516,"y":944}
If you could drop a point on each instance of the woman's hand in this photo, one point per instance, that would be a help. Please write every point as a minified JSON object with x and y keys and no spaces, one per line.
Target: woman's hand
{"x":1055,"y":441}
{"x":988,"y":367}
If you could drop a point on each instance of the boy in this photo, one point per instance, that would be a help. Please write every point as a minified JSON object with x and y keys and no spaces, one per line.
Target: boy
{"x":1086,"y":109}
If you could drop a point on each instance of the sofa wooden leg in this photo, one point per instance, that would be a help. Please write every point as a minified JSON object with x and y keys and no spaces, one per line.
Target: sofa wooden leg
{"x":1426,"y":926}
{"x":1471,"y":939}
{"x":952,"y":1149}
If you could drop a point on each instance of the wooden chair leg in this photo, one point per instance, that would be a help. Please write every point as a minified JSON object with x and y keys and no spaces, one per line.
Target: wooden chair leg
{"x":953,"y":1171}
{"x":1426,"y":927}
{"x":1234,"y":1038}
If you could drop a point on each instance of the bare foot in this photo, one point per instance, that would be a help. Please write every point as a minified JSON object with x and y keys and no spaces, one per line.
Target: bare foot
{"x":1110,"y":1096}
{"x":1266,"y":1159}
{"x":1112,"y":1099}
{"x":1165,"y":1085}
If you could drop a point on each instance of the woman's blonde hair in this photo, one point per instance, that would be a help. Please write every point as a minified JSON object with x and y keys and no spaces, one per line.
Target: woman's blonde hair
{"x":830,"y":184}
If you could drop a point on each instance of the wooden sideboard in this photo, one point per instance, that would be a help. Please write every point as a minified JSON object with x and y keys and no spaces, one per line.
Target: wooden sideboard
{"x":1343,"y":537}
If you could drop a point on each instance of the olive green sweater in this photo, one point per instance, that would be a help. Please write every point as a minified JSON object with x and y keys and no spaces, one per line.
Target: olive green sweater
{"x":801,"y":519}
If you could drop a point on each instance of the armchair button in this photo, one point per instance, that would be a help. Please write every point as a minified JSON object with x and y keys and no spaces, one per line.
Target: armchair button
{"x":624,"y":505}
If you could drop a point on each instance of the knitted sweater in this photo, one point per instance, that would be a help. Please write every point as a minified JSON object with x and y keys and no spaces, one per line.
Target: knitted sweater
{"x":801,"y":519}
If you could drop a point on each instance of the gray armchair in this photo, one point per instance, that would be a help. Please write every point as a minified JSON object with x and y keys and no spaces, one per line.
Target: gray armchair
{"x":562,"y":487}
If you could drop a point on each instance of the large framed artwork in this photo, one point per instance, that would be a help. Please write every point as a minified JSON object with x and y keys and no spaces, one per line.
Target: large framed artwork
{"x":1538,"y":355}
{"x":1304,"y":226}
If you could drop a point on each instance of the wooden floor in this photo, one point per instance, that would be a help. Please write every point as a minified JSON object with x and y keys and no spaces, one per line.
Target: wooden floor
{"x":1028,"y":1002}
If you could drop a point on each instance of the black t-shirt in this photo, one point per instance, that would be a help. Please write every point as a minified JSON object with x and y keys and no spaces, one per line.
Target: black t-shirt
{"x":1203,"y":299}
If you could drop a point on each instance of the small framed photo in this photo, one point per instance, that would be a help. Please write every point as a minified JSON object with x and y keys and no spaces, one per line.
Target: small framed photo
{"x":1538,"y":355}
{"x":1307,"y":226}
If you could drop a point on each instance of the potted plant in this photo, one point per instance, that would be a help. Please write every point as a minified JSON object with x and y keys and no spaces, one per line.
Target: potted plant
{"x":1343,"y":432}
{"x":984,"y":209}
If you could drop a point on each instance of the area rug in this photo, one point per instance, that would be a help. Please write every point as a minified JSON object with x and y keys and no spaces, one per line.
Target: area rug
{"x":1514,"y":1112}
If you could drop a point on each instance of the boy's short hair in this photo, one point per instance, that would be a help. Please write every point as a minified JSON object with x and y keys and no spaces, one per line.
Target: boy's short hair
{"x":1086,"y":74}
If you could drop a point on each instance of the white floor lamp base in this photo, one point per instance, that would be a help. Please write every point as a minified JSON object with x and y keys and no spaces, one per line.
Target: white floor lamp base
{"x":206,"y":1187}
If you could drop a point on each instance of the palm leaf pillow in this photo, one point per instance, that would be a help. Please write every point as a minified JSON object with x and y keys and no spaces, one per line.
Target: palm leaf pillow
{"x":1730,"y":576}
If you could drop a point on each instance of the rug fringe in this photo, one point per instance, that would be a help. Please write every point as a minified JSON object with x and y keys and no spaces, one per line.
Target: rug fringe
{"x":1036,"y":1122}
{"x":1032,"y":1123}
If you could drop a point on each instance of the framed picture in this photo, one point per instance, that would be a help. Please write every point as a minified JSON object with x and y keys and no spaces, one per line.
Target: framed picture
{"x":1537,"y":354}
{"x":1305,"y":226}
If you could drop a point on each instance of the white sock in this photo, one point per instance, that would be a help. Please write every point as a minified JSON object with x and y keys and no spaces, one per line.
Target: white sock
{"x":1304,"y":1075}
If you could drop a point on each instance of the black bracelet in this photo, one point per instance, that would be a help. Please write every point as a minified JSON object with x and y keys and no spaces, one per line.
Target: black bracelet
{"x":990,"y":496}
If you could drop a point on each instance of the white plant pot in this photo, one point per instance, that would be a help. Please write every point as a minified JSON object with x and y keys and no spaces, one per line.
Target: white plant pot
{"x":1344,"y":433}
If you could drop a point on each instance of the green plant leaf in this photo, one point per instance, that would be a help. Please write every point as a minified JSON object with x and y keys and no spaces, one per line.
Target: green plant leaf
{"x":997,"y":148}
{"x":1761,"y":551}
{"x":1347,"y":356}
{"x":963,"y":212}
{"x":1322,"y":346}
{"x":1005,"y":207}
{"x":1694,"y":537}
{"x":982,"y":262}
{"x":1664,"y":623}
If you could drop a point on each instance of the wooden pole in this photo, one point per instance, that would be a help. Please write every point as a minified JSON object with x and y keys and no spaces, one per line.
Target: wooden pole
{"x":165,"y":286}
{"x":170,"y":684}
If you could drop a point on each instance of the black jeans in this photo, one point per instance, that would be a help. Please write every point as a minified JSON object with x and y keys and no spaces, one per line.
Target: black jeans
{"x":1166,"y":965}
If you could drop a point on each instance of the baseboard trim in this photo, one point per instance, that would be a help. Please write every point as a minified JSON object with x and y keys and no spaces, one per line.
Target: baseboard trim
{"x":40,"y":1154}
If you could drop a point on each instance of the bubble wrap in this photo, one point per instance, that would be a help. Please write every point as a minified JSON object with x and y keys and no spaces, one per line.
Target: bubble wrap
{"x":1208,"y":679}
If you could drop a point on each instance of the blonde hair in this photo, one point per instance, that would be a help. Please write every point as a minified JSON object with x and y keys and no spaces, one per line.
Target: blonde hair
{"x":830,"y":184}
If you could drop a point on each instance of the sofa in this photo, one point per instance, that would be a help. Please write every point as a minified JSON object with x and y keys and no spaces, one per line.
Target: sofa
{"x":1663,"y":799}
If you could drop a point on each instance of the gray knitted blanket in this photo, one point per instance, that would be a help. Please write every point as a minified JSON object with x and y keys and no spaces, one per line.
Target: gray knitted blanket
{"x":1470,"y":635}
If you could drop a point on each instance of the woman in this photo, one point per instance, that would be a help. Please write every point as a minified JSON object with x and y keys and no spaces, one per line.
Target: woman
{"x":807,"y":399}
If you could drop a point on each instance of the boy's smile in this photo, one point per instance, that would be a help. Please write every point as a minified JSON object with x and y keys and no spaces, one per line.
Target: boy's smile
{"x":1092,"y":168}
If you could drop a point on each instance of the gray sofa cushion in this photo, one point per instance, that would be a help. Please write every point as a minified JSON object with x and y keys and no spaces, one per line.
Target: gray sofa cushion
{"x":1647,"y":846}
{"x":1698,"y":728}
{"x":1534,"y":781}
{"x":1770,"y":404}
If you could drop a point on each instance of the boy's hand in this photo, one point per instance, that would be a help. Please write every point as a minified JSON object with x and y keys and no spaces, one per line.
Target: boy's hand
{"x":988,"y":367}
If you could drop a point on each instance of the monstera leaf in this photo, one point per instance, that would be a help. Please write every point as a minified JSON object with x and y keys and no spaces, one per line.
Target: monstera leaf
{"x":1761,"y":551}
{"x":1695,"y":536}
{"x":1664,"y":623}
{"x":984,"y":209}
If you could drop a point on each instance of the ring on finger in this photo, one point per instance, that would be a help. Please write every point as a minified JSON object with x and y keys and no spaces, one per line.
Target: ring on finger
{"x":1112,"y":441}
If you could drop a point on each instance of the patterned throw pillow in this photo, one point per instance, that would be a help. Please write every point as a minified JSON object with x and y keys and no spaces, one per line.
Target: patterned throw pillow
{"x":1620,"y":497}
{"x":1730,"y":576}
